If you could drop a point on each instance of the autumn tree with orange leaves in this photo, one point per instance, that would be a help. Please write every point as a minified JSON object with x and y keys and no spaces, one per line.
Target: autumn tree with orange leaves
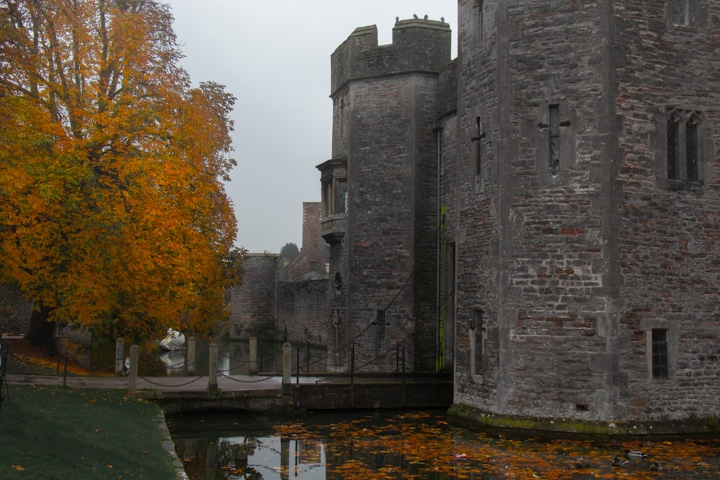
{"x":113,"y":212}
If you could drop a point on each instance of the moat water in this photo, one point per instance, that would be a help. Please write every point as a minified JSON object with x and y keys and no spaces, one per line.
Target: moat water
{"x":416,"y":445}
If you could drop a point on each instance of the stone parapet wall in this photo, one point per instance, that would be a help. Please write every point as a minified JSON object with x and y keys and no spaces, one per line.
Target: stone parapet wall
{"x":418,"y":46}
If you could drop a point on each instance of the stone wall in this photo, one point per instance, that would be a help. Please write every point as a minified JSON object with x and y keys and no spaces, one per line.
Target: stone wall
{"x":470,"y":198}
{"x":667,"y":229}
{"x":367,"y":395}
{"x":303,"y":312}
{"x":564,"y":269}
{"x":253,"y":310}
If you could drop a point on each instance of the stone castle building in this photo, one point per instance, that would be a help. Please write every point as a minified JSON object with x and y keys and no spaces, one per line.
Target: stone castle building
{"x":538,"y":216}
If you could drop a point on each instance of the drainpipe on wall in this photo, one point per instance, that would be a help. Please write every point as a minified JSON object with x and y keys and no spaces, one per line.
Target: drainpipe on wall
{"x":438,"y":131}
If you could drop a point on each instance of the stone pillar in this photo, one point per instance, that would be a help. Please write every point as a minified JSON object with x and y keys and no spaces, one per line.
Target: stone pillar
{"x":119,"y":356}
{"x":213,"y":367}
{"x":252,"y":367}
{"x":132,"y":377}
{"x":190,"y":355}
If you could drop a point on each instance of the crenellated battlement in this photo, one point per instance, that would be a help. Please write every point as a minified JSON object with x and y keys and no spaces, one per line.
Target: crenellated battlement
{"x":418,"y":45}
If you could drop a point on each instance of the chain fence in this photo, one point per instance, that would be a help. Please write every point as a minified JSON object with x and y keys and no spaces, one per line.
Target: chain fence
{"x":164,"y":385}
{"x":357,"y":356}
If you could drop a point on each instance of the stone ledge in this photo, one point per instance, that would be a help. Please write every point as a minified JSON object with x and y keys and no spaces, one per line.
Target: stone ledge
{"x":466,"y":414}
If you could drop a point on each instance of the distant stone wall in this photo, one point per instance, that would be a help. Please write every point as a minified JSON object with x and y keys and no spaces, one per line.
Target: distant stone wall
{"x":253,"y":305}
{"x":265,"y":306}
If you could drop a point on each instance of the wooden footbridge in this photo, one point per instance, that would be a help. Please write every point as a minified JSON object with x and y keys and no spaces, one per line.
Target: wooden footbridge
{"x":272,"y":392}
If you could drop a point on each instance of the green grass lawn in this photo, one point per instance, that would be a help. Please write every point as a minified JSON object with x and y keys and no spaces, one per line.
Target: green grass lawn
{"x":57,"y":432}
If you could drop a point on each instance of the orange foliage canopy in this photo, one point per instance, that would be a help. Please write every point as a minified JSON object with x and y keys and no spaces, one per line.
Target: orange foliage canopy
{"x":113,"y":212}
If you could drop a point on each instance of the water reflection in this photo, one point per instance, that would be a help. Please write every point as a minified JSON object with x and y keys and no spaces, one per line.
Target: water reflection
{"x":250,"y":457}
{"x":233,"y":358}
{"x":419,"y":445}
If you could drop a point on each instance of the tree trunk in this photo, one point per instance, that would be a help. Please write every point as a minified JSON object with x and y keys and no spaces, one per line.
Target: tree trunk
{"x":41,"y":332}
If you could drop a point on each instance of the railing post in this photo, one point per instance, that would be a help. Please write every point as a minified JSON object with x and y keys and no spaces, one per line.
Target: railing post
{"x":212,"y":369}
{"x":132,"y":375}
{"x":352,"y":364}
{"x":65,"y":370}
{"x":397,"y":358}
{"x":297,"y":366}
{"x":253,"y":366}
{"x":287,"y":368}
{"x":191,"y":356}
{"x":403,"y":365}
{"x":119,"y":356}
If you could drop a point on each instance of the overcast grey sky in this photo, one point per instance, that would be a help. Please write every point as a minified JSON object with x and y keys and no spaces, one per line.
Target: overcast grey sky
{"x":274,"y":56}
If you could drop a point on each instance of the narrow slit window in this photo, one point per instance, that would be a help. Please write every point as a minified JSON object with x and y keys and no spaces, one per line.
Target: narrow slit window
{"x":673,"y":153}
{"x":380,"y":329}
{"x":659,"y":353}
{"x":554,"y":138}
{"x":680,"y":12}
{"x":691,"y":148}
{"x":342,"y":117}
{"x":478,"y":343}
{"x":478,"y":149}
{"x":326,"y":199}
{"x":479,"y":21}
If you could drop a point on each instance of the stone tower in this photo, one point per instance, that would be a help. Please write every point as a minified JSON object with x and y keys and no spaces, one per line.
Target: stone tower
{"x":380,"y":193}
{"x":583,"y":206}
